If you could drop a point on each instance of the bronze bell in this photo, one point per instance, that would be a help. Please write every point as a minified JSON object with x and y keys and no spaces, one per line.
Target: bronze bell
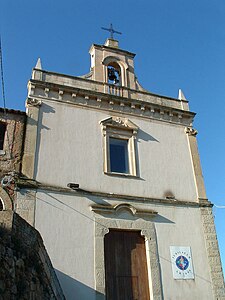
{"x":112,"y":75}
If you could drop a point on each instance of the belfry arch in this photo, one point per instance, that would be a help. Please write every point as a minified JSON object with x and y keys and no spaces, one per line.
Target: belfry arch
{"x":120,"y":68}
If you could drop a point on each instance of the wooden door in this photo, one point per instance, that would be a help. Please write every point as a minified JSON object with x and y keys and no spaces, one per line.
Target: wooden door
{"x":126,"y":275}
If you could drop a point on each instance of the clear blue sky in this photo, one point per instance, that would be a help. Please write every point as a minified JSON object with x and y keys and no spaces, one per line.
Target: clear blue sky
{"x":179,"y":44}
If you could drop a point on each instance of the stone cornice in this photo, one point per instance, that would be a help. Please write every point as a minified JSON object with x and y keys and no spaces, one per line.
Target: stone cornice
{"x":33,"y":184}
{"x":115,"y":50}
{"x":84,"y":79}
{"x":84,"y":97}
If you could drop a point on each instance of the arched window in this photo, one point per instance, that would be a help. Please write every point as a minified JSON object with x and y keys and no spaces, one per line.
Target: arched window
{"x":2,"y":134}
{"x":114,"y":73}
{"x":2,"y":207}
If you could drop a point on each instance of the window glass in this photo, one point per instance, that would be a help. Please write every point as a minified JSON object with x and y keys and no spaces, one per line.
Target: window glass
{"x":118,"y":149}
{"x":119,"y":146}
{"x":2,"y":134}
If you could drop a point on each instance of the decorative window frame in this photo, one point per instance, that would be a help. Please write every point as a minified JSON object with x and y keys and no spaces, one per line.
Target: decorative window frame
{"x":119,"y":128}
{"x":147,"y":229}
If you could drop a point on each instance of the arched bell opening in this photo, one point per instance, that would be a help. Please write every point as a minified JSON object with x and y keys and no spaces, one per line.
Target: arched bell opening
{"x":114,"y":74}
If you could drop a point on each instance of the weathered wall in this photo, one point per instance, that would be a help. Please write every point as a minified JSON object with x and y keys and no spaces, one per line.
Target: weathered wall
{"x":72,"y":246}
{"x":10,"y":157}
{"x":69,"y":148}
{"x":213,"y":252}
{"x":25,"y":268}
{"x":74,"y":137}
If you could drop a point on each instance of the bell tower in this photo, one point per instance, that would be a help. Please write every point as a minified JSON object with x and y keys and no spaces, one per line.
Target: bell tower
{"x":112,"y":65}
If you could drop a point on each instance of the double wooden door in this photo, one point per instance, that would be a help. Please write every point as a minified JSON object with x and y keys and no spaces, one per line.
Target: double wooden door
{"x":126,"y":275}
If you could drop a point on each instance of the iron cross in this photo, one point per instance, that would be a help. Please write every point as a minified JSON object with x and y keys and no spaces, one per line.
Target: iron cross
{"x":111,"y":30}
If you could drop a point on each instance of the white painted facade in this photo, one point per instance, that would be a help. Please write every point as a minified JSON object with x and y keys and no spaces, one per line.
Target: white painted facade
{"x":67,"y":227}
{"x":74,"y":137}
{"x":166,"y":200}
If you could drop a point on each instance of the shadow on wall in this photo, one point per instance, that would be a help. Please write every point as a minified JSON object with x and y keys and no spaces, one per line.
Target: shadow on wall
{"x":45,"y":109}
{"x":75,"y":290}
{"x":142,"y":135}
{"x":126,"y":215}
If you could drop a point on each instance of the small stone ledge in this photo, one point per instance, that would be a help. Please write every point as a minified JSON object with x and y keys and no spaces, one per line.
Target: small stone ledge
{"x":121,"y":175}
{"x":26,"y":183}
{"x":204,"y":201}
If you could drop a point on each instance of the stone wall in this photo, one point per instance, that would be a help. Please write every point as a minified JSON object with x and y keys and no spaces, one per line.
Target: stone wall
{"x":10,"y":156}
{"x":213,"y":253}
{"x":26,"y":271}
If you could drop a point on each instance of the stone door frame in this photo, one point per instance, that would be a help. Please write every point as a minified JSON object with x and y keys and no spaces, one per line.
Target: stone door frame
{"x":147,"y":228}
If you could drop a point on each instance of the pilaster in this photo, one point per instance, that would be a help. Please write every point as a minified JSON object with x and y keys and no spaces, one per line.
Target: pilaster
{"x":212,"y":249}
{"x":200,"y":187}
{"x":28,"y":164}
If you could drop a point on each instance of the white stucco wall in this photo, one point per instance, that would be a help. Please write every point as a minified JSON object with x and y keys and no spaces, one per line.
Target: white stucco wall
{"x":67,"y":229}
{"x":66,"y":224}
{"x":70,"y":149}
{"x":185,"y":230}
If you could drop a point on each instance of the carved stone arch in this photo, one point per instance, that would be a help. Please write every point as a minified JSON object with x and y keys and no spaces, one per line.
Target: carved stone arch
{"x":6,"y":200}
{"x":109,"y":59}
{"x":127,"y":207}
{"x":123,"y":68}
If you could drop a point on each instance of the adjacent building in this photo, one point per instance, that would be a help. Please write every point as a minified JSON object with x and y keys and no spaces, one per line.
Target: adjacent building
{"x":12,"y":128}
{"x":26,"y":271}
{"x":113,"y":182}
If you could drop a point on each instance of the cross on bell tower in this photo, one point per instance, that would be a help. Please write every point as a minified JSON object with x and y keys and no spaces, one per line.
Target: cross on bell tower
{"x":111,"y":30}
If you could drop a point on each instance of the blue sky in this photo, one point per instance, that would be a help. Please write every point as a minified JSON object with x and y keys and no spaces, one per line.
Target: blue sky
{"x":179,"y":44}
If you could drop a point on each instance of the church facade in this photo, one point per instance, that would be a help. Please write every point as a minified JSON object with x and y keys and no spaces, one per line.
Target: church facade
{"x":113,"y":182}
